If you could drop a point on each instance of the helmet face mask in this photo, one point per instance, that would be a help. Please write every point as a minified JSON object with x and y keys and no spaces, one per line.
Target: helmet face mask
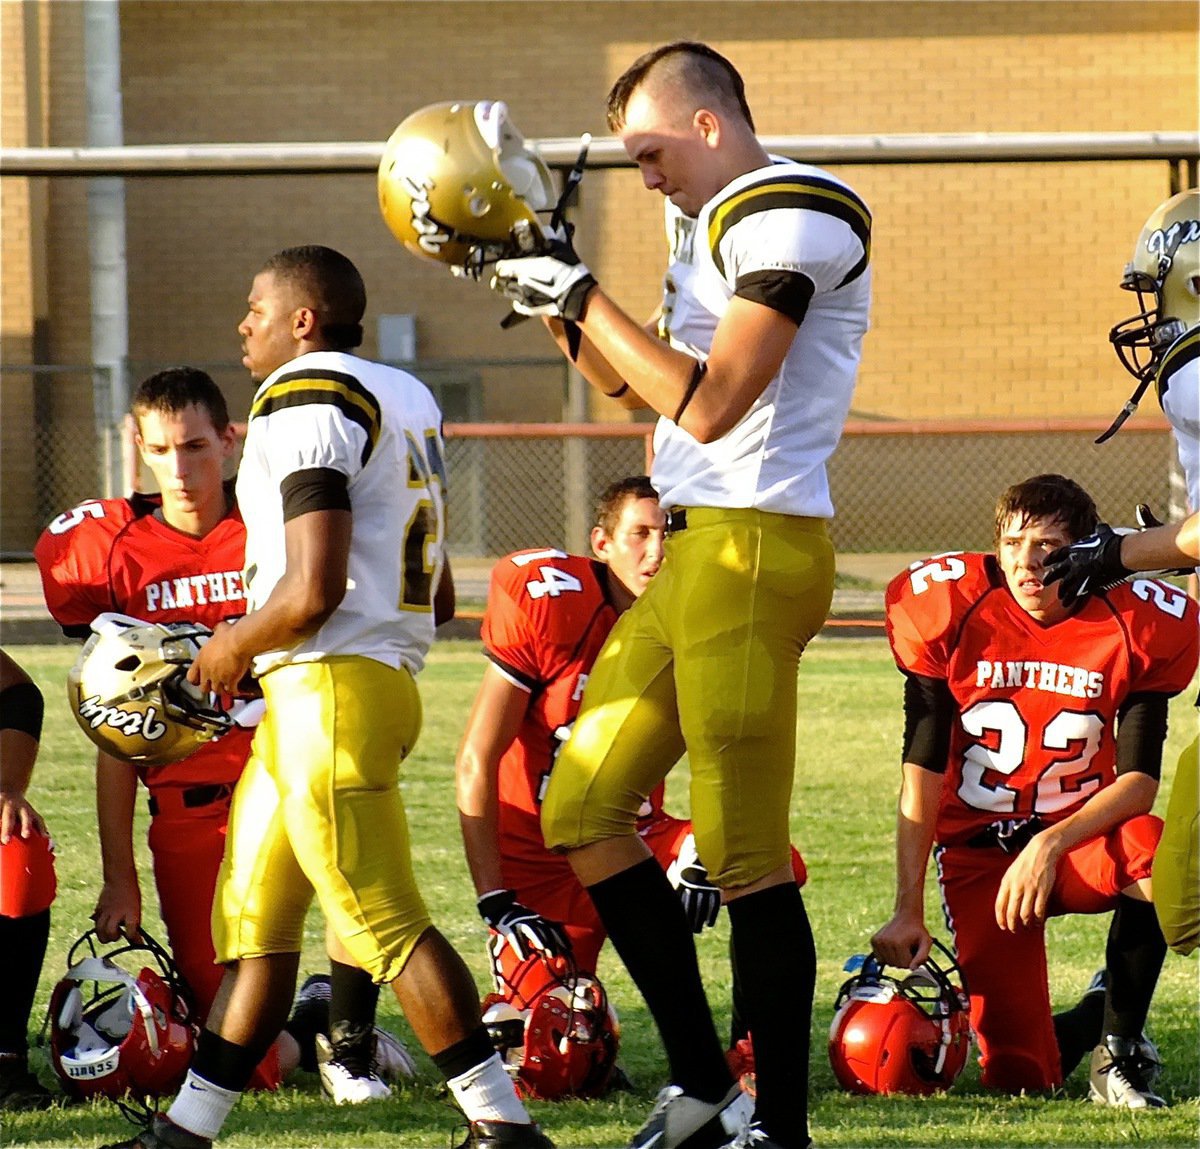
{"x":554,"y":1029}
{"x":1165,"y":275}
{"x":121,"y":1023}
{"x":908,"y":1034}
{"x":130,"y":695}
{"x":456,"y":179}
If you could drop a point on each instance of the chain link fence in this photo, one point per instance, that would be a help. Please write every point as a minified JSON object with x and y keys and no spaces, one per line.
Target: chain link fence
{"x":897,"y":487}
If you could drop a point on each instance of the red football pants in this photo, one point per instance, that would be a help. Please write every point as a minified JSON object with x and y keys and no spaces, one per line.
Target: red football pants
{"x":1006,"y":972}
{"x":187,"y":845}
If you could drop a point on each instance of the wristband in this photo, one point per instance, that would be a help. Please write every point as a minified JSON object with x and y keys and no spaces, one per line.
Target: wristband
{"x":698,"y":373}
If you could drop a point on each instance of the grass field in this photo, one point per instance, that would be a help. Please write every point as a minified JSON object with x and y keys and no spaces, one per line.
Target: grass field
{"x":847,"y":773}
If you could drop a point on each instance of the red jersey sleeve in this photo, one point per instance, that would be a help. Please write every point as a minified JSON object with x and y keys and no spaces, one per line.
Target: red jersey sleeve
{"x":540,"y":604}
{"x":72,"y":557}
{"x":1163,"y":625}
{"x":924,"y":607}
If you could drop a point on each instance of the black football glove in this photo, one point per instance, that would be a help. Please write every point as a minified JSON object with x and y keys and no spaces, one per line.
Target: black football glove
{"x":553,"y":282}
{"x":701,"y":899}
{"x":524,"y":930}
{"x":1083,"y":568}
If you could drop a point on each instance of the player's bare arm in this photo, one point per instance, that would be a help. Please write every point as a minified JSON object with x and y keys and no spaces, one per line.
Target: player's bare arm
{"x":313,"y":585}
{"x":748,"y":347}
{"x":119,"y":906}
{"x":1025,"y":889}
{"x":495,"y":718}
{"x":904,"y":942}
{"x":18,"y":752}
{"x":1171,"y":545}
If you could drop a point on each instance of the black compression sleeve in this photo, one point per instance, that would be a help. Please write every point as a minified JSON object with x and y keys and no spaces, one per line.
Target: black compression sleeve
{"x":315,"y":489}
{"x":928,"y":717}
{"x":22,"y":708}
{"x":1141,"y":731}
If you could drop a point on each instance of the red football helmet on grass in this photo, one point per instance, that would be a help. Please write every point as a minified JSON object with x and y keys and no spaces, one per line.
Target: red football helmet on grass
{"x":553,"y":1027}
{"x":906,"y":1034}
{"x":121,"y":1029}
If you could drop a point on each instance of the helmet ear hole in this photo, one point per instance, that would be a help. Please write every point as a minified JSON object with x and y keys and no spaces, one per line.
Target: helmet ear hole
{"x":132,"y":662}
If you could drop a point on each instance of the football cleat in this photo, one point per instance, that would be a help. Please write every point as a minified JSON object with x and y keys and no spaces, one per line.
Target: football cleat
{"x":504,"y":1135}
{"x":348,"y":1078}
{"x":678,"y":1121}
{"x":161,"y":1133}
{"x":1147,"y":1051}
{"x":1119,"y":1076}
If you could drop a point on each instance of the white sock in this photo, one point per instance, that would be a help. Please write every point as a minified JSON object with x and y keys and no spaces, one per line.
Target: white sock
{"x":201,"y":1107}
{"x":486,"y":1093}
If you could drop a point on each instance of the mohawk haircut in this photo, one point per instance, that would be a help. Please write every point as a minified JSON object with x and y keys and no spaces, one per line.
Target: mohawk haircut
{"x":1048,"y":497}
{"x":169,"y":392}
{"x":330,"y":284}
{"x":613,"y":498}
{"x":696,"y":68}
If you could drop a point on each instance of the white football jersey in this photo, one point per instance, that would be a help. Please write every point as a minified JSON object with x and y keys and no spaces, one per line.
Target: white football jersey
{"x":797,"y":239}
{"x":381,"y":428}
{"x":1178,"y":382}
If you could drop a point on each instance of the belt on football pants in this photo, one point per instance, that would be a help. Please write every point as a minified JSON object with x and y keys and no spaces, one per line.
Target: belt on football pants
{"x":172,"y":799}
{"x":676,"y":520}
{"x":1010,"y":835}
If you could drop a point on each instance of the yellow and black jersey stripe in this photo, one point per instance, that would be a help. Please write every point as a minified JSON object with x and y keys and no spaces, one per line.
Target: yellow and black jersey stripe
{"x":345,"y":392}
{"x":803,"y":192}
{"x":1183,"y":350}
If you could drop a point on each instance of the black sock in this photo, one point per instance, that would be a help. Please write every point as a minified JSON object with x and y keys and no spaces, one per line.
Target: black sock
{"x":225,"y":1064}
{"x":648,"y":929}
{"x":737,"y":1018}
{"x":1079,"y":1030}
{"x":1134,"y":956}
{"x":353,"y":997}
{"x":23,"y":943}
{"x":472,"y":1050}
{"x":307,"y":1020}
{"x":777,"y":966}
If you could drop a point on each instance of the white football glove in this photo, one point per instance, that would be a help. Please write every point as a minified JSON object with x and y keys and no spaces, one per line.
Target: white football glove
{"x":701,"y":899}
{"x":555,"y":283}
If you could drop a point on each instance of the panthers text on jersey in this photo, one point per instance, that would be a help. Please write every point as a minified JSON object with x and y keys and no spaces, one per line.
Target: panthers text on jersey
{"x":797,"y":240}
{"x":328,"y":409}
{"x":1034,"y":732}
{"x":547,"y":617}
{"x":1178,"y":383}
{"x":117,"y":555}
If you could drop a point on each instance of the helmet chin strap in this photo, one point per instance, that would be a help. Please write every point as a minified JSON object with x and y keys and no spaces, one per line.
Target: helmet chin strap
{"x":1131,"y":405}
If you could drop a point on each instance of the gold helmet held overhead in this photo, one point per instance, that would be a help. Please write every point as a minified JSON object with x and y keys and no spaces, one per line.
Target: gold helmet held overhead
{"x":130,"y":695}
{"x":1165,"y":273}
{"x":454,"y":180}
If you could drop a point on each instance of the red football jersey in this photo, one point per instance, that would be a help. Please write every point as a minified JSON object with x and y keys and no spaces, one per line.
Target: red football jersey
{"x":115,"y":555}
{"x":1035,"y":731}
{"x":547,"y":617}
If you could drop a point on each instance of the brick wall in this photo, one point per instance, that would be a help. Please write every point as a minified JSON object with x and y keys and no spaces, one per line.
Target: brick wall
{"x":995,"y":284}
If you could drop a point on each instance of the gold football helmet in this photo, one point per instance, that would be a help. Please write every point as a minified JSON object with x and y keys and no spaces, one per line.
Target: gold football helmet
{"x":130,"y":695}
{"x":1165,"y":273}
{"x":454,"y":180}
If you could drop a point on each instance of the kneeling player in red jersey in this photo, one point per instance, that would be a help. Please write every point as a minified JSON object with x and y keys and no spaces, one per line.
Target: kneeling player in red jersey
{"x":172,"y":558}
{"x":547,"y":617}
{"x":1032,"y":750}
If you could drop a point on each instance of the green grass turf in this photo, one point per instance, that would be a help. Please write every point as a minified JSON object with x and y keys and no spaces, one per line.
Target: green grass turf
{"x":846,"y":778}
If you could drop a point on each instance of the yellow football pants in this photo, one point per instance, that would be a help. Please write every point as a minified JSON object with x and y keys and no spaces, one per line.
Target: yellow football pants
{"x":318,"y":809}
{"x":706,"y":661}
